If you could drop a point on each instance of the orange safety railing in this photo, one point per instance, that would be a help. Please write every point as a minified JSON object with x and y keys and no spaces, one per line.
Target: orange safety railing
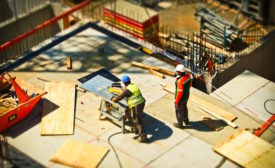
{"x":12,"y":50}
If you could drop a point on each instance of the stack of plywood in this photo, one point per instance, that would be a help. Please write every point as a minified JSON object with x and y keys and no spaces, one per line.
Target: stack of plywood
{"x":139,"y":22}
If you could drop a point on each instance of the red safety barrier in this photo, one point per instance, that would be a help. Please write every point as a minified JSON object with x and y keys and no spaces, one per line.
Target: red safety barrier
{"x":43,"y":25}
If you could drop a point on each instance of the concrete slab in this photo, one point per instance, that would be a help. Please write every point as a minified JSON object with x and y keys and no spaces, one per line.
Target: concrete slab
{"x":191,"y":152}
{"x":88,"y":57}
{"x":164,"y":109}
{"x":161,"y":137}
{"x":254,"y":104}
{"x":89,"y":50}
{"x":240,"y":87}
{"x":248,"y":92}
{"x":41,"y":148}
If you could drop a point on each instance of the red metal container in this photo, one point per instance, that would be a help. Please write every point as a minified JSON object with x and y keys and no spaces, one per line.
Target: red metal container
{"x":26,"y":103}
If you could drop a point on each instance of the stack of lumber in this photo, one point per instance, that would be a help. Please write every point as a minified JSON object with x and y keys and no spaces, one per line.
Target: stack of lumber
{"x":247,"y":150}
{"x":140,"y":22}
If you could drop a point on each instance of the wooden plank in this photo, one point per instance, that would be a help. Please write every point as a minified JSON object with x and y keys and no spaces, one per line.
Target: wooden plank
{"x":208,"y":106}
{"x":215,"y":115}
{"x":58,"y":109}
{"x":247,"y":150}
{"x":212,"y":107}
{"x":69,"y":62}
{"x":156,"y":73}
{"x":78,"y":154}
{"x":147,"y":67}
{"x":211,"y":124}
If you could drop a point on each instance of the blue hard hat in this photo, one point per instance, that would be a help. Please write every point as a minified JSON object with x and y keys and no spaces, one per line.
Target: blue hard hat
{"x":125,"y":79}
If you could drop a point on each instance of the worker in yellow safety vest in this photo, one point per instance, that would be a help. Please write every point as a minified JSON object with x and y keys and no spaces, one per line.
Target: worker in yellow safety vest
{"x":136,"y":103}
{"x":183,"y":84}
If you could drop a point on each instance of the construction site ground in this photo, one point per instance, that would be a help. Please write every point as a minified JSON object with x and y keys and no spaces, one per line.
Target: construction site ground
{"x":167,"y":146}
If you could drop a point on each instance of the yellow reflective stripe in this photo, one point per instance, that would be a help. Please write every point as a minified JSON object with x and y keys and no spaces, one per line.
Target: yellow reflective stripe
{"x":131,"y":98}
{"x":136,"y":103}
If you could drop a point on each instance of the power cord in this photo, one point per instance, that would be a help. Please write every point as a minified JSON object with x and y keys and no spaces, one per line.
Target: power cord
{"x":109,"y":141}
{"x":265,"y":106}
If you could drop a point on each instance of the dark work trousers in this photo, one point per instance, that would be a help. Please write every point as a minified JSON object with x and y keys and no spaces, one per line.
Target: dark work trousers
{"x":182,"y":111}
{"x":137,"y":112}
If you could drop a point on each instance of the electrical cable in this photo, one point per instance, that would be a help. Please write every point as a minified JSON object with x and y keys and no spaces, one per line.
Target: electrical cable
{"x":109,"y":141}
{"x":266,"y":108}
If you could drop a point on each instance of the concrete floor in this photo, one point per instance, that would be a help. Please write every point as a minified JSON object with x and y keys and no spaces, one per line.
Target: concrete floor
{"x":248,"y":92}
{"x":167,"y":146}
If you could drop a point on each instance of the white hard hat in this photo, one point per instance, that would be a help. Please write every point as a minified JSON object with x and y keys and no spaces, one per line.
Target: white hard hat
{"x":180,"y":68}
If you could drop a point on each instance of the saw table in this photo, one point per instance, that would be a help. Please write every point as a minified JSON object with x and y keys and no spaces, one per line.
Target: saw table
{"x":118,"y":112}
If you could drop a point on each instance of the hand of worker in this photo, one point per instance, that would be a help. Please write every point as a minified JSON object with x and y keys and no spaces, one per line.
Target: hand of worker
{"x":114,"y":99}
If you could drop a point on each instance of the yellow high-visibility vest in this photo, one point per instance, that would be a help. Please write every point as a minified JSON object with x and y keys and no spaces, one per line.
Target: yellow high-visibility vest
{"x":136,"y":97}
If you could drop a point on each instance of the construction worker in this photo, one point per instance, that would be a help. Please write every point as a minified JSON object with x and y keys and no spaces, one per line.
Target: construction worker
{"x":136,"y":103}
{"x":183,"y":84}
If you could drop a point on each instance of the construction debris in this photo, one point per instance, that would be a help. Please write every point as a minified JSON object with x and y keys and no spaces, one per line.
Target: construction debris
{"x":18,"y":103}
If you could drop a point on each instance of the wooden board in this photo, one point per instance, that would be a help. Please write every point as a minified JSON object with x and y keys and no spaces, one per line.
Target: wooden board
{"x":156,"y":73}
{"x":212,"y":107}
{"x":247,"y":150}
{"x":58,"y":109}
{"x":215,"y":115}
{"x":147,"y":67}
{"x":69,"y":62}
{"x":78,"y":154}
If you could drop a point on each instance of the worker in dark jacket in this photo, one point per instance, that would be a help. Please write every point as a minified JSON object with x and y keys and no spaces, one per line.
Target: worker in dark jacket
{"x":136,"y":103}
{"x":183,"y":84}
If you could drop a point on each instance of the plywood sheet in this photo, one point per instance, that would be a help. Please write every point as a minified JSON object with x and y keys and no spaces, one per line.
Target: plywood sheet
{"x":58,"y":109}
{"x":247,"y":150}
{"x":78,"y":154}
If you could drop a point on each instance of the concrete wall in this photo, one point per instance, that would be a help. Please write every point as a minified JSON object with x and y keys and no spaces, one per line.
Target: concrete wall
{"x":27,"y":23}
{"x":271,"y":12}
{"x":261,"y":62}
{"x":6,"y":12}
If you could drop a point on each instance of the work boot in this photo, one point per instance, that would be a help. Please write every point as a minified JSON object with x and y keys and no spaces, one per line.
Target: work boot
{"x":186,"y":122}
{"x":178,"y":125}
{"x":142,"y":138}
{"x":135,"y":130}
